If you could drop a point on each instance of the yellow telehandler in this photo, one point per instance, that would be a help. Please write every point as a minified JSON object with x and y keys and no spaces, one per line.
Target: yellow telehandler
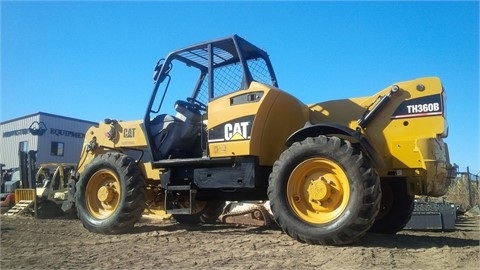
{"x":331,"y":171}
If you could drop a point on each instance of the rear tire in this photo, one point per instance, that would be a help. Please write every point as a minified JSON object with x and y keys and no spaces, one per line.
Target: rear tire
{"x":206,"y":212}
{"x":324,"y":191}
{"x":111,"y":194}
{"x":396,"y":207}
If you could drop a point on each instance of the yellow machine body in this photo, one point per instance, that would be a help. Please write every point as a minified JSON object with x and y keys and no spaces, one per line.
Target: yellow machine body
{"x":324,"y":167}
{"x":408,"y":145}
{"x":410,"y":142}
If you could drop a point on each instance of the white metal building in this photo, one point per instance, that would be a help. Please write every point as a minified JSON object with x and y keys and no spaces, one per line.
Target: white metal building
{"x":55,"y":138}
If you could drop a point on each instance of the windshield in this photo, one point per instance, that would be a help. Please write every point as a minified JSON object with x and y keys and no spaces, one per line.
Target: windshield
{"x":178,"y":84}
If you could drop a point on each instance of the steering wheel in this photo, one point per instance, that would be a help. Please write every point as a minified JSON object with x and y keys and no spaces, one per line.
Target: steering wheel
{"x":200,"y":106}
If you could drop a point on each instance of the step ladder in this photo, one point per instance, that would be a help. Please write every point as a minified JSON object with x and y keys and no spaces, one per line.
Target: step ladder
{"x":173,"y":193}
{"x":19,"y":208}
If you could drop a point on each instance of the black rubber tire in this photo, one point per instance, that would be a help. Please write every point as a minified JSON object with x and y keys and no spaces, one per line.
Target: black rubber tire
{"x":130,"y":192}
{"x":396,"y":207}
{"x":208,"y":214}
{"x":47,"y":209}
{"x":347,"y":224}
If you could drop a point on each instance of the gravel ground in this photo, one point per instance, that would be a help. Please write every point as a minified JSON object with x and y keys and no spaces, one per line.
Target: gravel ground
{"x":28,"y":243}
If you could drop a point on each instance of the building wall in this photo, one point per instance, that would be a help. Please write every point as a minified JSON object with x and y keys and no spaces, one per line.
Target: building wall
{"x":46,"y":129}
{"x":11,"y":134}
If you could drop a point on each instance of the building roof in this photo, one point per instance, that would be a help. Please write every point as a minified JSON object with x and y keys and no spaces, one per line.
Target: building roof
{"x":48,"y":114}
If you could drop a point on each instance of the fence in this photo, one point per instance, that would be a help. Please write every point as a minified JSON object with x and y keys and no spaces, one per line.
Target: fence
{"x":464,"y":190}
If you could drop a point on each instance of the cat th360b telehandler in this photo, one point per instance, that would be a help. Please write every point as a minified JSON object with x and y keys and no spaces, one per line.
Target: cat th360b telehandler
{"x":331,"y":171}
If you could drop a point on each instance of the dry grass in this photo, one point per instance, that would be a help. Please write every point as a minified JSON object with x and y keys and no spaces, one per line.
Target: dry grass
{"x":463,"y":193}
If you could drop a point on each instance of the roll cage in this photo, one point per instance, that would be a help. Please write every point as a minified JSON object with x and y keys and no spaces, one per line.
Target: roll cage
{"x":225,"y":65}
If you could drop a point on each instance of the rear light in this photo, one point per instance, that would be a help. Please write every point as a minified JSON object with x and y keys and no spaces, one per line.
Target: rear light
{"x":444,"y":114}
{"x":444,"y":101}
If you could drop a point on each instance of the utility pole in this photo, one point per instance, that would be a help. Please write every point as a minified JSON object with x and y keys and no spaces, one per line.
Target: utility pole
{"x":470,"y":200}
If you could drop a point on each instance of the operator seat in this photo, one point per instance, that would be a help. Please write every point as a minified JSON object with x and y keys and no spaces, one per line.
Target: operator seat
{"x":177,"y":136}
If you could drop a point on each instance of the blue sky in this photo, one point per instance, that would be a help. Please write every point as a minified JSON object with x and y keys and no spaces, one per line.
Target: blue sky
{"x":93,"y":60}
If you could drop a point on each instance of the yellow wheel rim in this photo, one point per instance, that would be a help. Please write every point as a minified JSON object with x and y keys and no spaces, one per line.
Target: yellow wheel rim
{"x":103,"y":193}
{"x":318,"y":190}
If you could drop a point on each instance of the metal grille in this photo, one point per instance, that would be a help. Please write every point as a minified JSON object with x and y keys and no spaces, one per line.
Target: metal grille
{"x":259,"y":71}
{"x":200,"y":56}
{"x":24,"y":194}
{"x":228,"y":79}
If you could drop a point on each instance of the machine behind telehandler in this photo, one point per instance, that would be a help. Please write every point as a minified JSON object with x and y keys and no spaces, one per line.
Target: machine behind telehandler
{"x":331,"y":171}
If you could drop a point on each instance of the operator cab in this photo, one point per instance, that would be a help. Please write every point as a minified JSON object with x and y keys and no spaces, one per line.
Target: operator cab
{"x":214,"y":69}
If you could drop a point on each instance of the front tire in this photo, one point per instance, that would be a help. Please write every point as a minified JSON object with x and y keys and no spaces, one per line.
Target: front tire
{"x":111,"y":194}
{"x":324,"y":191}
{"x":47,"y":209}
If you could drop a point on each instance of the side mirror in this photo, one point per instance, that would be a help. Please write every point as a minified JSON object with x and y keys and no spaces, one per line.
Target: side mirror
{"x":156,"y":70}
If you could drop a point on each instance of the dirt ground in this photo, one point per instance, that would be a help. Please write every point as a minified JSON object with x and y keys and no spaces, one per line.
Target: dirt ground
{"x":28,"y":243}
